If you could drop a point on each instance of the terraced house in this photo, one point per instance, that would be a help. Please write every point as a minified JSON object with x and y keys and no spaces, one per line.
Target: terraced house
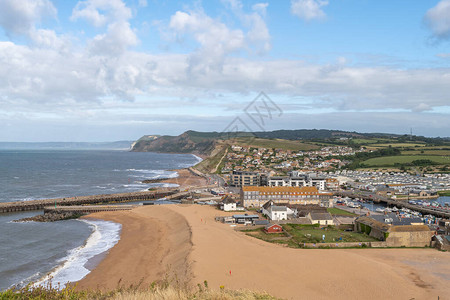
{"x":257,"y":196}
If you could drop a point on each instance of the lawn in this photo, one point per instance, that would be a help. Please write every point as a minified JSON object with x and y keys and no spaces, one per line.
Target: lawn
{"x":314,"y":234}
{"x":339,"y":212}
{"x":296,"y":234}
{"x":404,"y":159}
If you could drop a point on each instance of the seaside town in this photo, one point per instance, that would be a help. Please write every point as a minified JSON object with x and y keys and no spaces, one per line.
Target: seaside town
{"x":224,"y":149}
{"x":273,"y":189}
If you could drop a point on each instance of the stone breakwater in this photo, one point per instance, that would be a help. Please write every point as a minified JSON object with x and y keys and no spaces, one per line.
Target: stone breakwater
{"x":7,"y":207}
{"x":52,"y":214}
{"x":52,"y":217}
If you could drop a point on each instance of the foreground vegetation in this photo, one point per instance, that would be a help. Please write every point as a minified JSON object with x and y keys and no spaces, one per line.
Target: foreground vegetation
{"x":156,"y":291}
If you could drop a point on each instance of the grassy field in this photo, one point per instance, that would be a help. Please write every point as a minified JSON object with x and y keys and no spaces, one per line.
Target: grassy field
{"x":403,"y":159}
{"x":398,"y":145}
{"x":427,"y":152}
{"x":340,"y":212}
{"x":276,"y":143}
{"x":444,"y":193}
{"x":369,"y":141}
{"x":296,"y":234}
{"x":313,"y":234}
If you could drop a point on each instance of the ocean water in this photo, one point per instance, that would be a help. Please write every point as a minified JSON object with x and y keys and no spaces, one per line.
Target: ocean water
{"x":64,"y":250}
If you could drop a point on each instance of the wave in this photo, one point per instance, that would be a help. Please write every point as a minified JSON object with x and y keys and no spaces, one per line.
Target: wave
{"x":199,"y":159}
{"x":152,"y":174}
{"x":73,"y":267}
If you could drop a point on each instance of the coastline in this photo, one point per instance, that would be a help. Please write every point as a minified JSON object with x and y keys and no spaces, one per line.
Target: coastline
{"x":80,"y":261}
{"x":153,"y":245}
{"x":184,"y":242}
{"x":185,"y":179}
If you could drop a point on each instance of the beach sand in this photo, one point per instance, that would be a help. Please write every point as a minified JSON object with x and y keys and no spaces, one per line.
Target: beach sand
{"x":155,"y":243}
{"x":208,"y":250}
{"x":186,"y":179}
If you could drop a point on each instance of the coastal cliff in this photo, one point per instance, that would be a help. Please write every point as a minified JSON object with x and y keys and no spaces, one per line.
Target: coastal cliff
{"x":188,"y":142}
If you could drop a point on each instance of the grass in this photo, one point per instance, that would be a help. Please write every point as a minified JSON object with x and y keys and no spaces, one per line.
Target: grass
{"x":399,"y":145}
{"x":207,"y":165}
{"x":276,"y":143}
{"x":296,"y":234}
{"x":444,"y":193}
{"x":427,"y":152}
{"x":340,"y":212}
{"x":404,"y":159}
{"x":313,"y":234}
{"x":366,"y":141}
{"x":156,"y":291}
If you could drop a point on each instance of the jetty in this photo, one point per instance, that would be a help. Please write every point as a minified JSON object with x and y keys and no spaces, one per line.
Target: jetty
{"x":438,"y":212}
{"x":8,"y":207}
{"x":83,"y":209}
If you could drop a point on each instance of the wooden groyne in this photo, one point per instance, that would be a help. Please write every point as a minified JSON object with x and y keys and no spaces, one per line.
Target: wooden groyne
{"x":7,"y":207}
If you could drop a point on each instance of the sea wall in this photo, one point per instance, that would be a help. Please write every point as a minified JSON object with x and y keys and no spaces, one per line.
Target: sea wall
{"x":345,"y":245}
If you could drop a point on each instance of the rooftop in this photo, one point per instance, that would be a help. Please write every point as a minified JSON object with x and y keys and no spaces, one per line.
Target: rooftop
{"x":281,"y":189}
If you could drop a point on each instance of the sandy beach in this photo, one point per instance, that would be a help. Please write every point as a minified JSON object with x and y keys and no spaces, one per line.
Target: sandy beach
{"x":155,"y":242}
{"x":186,"y":179}
{"x":186,"y":241}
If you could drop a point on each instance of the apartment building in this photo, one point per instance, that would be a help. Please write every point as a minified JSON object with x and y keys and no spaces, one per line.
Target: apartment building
{"x":257,"y":196}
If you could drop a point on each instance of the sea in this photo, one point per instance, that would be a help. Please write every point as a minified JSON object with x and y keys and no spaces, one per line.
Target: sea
{"x":66,"y":251}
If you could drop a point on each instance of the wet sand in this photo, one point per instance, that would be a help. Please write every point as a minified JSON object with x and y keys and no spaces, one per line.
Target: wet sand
{"x":208,"y":250}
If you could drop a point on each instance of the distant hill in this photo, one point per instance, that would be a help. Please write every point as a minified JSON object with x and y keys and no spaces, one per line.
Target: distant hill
{"x":188,"y":142}
{"x":119,"y":145}
{"x":203,"y":143}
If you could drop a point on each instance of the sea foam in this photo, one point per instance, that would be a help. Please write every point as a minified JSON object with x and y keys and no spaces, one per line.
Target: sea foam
{"x":73,"y":267}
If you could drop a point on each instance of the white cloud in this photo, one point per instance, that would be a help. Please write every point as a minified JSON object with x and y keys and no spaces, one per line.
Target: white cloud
{"x":113,"y":13}
{"x":438,"y":19}
{"x":52,"y":77}
{"x":257,"y":35}
{"x":20,"y":17}
{"x":308,"y":9}
{"x":215,"y":38}
{"x":115,"y":41}
{"x":101,"y":12}
{"x":260,"y":8}
{"x":422,"y":107}
{"x":143,"y":3}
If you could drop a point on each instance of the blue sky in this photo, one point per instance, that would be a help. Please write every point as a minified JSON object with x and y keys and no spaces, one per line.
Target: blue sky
{"x":104,"y":70}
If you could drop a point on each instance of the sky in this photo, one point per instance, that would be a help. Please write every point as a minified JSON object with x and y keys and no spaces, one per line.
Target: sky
{"x":107,"y":70}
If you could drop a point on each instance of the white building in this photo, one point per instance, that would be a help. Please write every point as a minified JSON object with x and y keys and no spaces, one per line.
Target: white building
{"x":300,"y":180}
{"x":228,"y":205}
{"x":276,"y":213}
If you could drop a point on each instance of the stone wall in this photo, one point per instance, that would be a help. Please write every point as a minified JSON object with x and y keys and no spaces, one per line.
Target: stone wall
{"x":345,"y":245}
{"x":409,"y":239}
